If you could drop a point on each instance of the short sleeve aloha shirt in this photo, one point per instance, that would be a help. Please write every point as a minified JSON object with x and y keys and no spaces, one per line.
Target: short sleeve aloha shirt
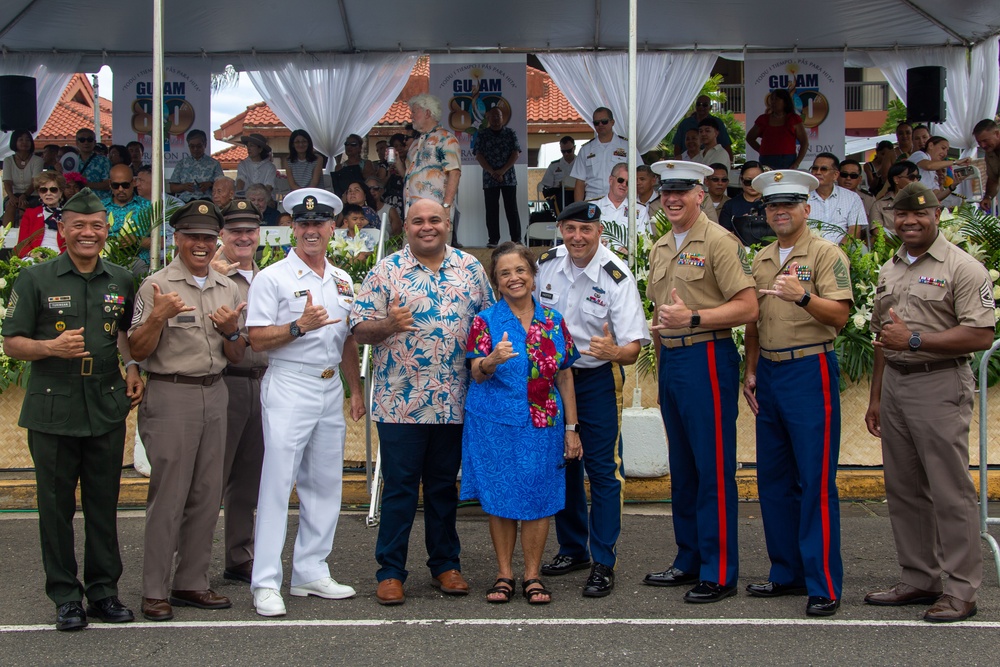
{"x":432,"y":155}
{"x":496,"y":147}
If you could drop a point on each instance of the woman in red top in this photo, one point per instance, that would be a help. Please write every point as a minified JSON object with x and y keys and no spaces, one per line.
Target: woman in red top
{"x":38,"y":224}
{"x":774,"y":134}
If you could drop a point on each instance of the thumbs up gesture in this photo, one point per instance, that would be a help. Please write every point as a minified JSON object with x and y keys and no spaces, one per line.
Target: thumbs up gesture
{"x":400,"y":317}
{"x":673,"y":315}
{"x":895,"y":334}
{"x":787,"y":286}
{"x":602,"y":347}
{"x":168,"y":305}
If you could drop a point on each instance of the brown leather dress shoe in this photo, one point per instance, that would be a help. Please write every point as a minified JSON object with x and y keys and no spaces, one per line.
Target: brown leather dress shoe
{"x":901,"y":594}
{"x":206,"y":599}
{"x":390,"y":592}
{"x":241,"y":572}
{"x":949,"y":609}
{"x":156,"y":610}
{"x":451,"y":582}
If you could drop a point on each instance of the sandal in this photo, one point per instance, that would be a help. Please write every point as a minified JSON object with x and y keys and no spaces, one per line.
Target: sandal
{"x":533,"y":594}
{"x":507,"y":590}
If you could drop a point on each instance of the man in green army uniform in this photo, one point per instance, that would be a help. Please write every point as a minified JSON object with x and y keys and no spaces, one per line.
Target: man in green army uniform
{"x":69,"y":316}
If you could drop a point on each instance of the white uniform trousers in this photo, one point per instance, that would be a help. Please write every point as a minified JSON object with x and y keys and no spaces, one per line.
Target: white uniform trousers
{"x":304,"y":433}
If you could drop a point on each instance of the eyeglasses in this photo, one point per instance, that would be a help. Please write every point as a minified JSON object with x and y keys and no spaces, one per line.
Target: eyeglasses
{"x":747,"y":182}
{"x":703,"y":104}
{"x":85,"y":140}
{"x":603,"y":121}
{"x":821,"y":169}
{"x":847,"y":174}
{"x":375,"y":188}
{"x":44,"y":190}
{"x":351,"y":144}
{"x":621,"y":180}
{"x":719,"y":179}
{"x":567,"y":151}
{"x":120,"y":186}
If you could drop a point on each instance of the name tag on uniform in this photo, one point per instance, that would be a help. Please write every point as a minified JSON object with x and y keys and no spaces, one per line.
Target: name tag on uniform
{"x":545,"y":295}
{"x":60,"y":301}
{"x":186,"y":318}
{"x":301,"y":293}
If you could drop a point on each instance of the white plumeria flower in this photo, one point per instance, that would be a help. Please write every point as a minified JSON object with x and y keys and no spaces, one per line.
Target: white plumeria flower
{"x":3,"y":283}
{"x":994,"y":275}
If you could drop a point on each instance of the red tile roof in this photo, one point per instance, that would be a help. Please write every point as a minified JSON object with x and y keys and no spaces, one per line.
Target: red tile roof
{"x":74,"y":110}
{"x":231,"y":157}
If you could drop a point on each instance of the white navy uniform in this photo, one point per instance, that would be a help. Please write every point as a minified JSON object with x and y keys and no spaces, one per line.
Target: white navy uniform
{"x":303,"y":414}
{"x":619,"y":214}
{"x":595,"y":161}
{"x":558,"y":175}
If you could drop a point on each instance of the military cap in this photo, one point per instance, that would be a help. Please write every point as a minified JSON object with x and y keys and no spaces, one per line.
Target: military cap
{"x":784,"y":185}
{"x":241,"y":214}
{"x":913,"y":197}
{"x":197,"y":217}
{"x":678,"y":175}
{"x":581,"y":211}
{"x":84,"y":201}
{"x":312,"y":204}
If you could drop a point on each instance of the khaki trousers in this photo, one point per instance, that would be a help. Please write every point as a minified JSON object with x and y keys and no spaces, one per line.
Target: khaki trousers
{"x":241,"y":468}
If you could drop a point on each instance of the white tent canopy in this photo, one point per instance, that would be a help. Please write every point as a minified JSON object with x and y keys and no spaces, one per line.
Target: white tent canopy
{"x":221,"y":29}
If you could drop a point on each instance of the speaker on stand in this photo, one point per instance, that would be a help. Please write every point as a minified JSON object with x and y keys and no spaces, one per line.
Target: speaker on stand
{"x":18,"y":104}
{"x":925,"y":94}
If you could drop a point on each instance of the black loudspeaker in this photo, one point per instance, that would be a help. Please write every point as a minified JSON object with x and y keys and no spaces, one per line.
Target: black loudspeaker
{"x":925,"y":94}
{"x":18,"y":104}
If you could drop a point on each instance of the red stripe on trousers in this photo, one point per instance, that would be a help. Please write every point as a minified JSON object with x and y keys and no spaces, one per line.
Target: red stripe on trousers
{"x":720,"y":476}
{"x":824,"y":498}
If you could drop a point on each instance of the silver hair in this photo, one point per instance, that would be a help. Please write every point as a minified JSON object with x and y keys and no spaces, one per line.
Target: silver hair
{"x":428,"y":102}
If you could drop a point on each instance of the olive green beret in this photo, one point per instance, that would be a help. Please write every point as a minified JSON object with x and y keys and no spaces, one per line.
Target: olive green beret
{"x":914,"y":197}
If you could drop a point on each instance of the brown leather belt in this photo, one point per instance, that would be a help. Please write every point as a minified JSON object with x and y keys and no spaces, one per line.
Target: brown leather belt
{"x":797,"y":353}
{"x":204,"y":380}
{"x":694,"y":339}
{"x":254,"y":373}
{"x":929,"y":367}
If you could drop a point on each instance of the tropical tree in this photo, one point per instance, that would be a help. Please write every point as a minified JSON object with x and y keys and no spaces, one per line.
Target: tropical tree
{"x":736,"y":129}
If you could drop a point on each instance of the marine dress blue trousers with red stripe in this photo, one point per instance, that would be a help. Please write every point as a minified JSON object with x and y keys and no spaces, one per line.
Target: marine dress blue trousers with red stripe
{"x":798,"y":445}
{"x":699,"y":389}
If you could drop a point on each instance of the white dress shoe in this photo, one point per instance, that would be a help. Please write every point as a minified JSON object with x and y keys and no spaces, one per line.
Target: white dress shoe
{"x":323,"y":588}
{"x":268,"y":602}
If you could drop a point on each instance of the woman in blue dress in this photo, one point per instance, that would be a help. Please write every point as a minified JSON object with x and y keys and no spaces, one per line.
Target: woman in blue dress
{"x":514,"y":443}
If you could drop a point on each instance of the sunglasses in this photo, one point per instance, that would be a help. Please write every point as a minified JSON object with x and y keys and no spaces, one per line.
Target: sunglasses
{"x":847,"y":174}
{"x":85,"y":140}
{"x":621,"y":180}
{"x":120,"y":186}
{"x":718,"y":179}
{"x":375,"y":188}
{"x":47,"y":190}
{"x":603,"y":121}
{"x":821,"y":169}
{"x":351,"y":144}
{"x":747,"y":182}
{"x":567,"y":151}
{"x":703,"y":104}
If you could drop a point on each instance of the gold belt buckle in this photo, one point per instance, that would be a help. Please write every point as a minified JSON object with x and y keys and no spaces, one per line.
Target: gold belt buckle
{"x":87,"y":366}
{"x":327,"y":373}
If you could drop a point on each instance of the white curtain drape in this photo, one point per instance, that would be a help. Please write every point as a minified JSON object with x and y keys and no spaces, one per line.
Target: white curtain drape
{"x":52,"y":73}
{"x":972,"y":90}
{"x":668,"y":83}
{"x":330,"y":96}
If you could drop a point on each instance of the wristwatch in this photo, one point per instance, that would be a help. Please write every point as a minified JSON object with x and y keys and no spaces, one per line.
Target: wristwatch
{"x":695,"y":319}
{"x":573,"y":427}
{"x":446,"y":206}
{"x":233,"y":337}
{"x":295,"y":331}
{"x":804,"y":300}
{"x":915,"y":341}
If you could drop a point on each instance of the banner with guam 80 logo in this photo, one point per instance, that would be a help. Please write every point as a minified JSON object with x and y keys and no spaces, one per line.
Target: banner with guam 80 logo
{"x":815,"y":82}
{"x":469,"y":88}
{"x":187,"y":102}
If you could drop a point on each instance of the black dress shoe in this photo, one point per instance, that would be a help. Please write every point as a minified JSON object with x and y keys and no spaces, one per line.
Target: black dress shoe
{"x":600,"y":582}
{"x":820,"y":606}
{"x":70,"y":616}
{"x":769,"y":589}
{"x":709,"y":591}
{"x":563,"y":564}
{"x":241,"y":572}
{"x":110,"y":610}
{"x":670,"y":577}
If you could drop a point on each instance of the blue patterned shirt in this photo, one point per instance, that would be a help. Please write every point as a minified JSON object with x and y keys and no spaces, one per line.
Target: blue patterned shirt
{"x":496,"y":148}
{"x":420,"y":377}
{"x":139,"y":225}
{"x":189,"y":170}
{"x":98,"y":168}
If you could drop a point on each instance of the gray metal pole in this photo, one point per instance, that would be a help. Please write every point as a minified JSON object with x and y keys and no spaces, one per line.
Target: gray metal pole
{"x":156,"y":231}
{"x":632,"y":130}
{"x":97,"y":110}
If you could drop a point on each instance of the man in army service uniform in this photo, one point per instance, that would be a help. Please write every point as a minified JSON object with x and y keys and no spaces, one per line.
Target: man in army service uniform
{"x":68,"y":317}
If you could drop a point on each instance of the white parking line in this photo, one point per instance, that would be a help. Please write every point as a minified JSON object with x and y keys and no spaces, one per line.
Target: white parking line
{"x":371,"y":623}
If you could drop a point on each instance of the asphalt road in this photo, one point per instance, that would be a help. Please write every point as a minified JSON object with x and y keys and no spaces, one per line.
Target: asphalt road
{"x":636,"y":625}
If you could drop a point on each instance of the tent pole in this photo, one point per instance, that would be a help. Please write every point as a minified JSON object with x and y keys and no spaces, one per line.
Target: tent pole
{"x":157,"y":148}
{"x":632,"y":130}
{"x":97,"y":109}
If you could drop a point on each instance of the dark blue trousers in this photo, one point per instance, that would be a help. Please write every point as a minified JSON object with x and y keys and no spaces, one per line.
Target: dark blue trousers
{"x":599,"y":407}
{"x":411,"y":453}
{"x":798,"y":445}
{"x":699,"y":389}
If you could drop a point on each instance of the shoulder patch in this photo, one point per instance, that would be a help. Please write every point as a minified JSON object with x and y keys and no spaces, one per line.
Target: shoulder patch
{"x":744,"y":259}
{"x":11,"y":305}
{"x":986,"y":295}
{"x":841,"y":273}
{"x":616,"y":274}
{"x":546,"y":256}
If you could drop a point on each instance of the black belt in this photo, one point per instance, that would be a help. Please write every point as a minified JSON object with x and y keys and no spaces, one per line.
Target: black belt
{"x":203,"y":380}
{"x":255,"y":373}
{"x":83,"y":367}
{"x":929,"y":367}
